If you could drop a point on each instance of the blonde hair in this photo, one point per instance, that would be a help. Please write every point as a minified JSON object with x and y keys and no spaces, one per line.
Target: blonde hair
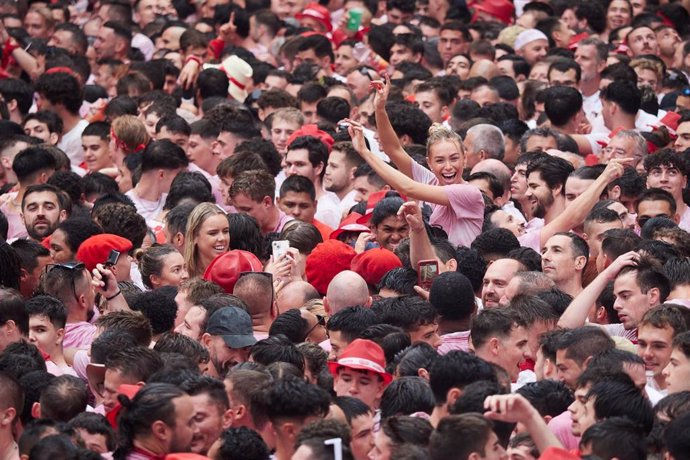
{"x":438,"y":133}
{"x":130,"y":132}
{"x":648,"y":64}
{"x":289,"y":114}
{"x":196,"y":219}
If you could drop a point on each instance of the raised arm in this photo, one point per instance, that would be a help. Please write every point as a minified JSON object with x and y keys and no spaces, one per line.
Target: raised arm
{"x":577,"y":211}
{"x":420,"y":244}
{"x":390,"y":144}
{"x":576,"y":313}
{"x":396,"y":179}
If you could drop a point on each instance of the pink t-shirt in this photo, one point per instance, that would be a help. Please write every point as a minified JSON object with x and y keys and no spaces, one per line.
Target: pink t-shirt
{"x":16,"y":228}
{"x":284,"y":219}
{"x":454,"y":341}
{"x":462,"y":220}
{"x":79,"y":335}
{"x":531,"y":240}
{"x":562,"y":427}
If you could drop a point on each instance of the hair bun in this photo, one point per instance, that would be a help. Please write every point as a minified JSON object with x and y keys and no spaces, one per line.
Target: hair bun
{"x":435,"y":128}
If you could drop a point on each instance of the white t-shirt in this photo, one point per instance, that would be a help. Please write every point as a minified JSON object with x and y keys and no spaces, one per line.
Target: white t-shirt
{"x":149,"y":210}
{"x":71,"y":143}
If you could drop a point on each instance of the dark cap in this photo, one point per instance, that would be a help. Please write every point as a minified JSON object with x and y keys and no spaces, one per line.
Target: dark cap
{"x":234,"y":325}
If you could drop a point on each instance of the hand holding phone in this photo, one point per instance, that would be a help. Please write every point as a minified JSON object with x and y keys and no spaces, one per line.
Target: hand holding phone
{"x":427,"y":270}
{"x":280,"y":248}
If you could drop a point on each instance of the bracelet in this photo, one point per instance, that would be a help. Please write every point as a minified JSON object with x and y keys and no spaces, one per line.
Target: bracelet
{"x":193,"y":58}
{"x":114,"y":295}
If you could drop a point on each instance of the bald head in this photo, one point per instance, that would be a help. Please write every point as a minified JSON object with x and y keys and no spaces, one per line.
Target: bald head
{"x":347,"y":289}
{"x":495,"y":167}
{"x":257,"y":292}
{"x":294,"y":295}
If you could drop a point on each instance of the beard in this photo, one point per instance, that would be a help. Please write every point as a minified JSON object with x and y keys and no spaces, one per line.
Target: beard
{"x":542,"y":206}
{"x":38,"y":235}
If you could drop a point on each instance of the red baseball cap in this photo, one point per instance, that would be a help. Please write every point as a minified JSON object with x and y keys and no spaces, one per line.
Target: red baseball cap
{"x":362,"y":355}
{"x":314,"y":131}
{"x":96,"y":249}
{"x":317,"y":12}
{"x":226,"y":268}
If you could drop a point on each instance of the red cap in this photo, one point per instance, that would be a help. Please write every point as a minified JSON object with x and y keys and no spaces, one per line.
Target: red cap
{"x":128,"y":390}
{"x":363,"y":355}
{"x":185,"y":456}
{"x":96,"y":249}
{"x":373,"y":264}
{"x":225,"y":269}
{"x":314,"y":131}
{"x":317,"y":12}
{"x":349,"y":224}
{"x":327,"y":260}
{"x":372,"y":201}
{"x":503,"y":10}
{"x":671,"y":120}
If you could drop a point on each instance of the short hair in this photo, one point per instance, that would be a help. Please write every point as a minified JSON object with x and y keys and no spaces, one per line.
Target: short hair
{"x":64,"y":398}
{"x":163,"y":154}
{"x":618,"y":241}
{"x":12,"y":308}
{"x":29,"y":251}
{"x":298,"y":184}
{"x":294,"y":399}
{"x":614,"y":398}
{"x":531,"y":309}
{"x":667,"y":315}
{"x":583,"y":342}
{"x":122,"y":220}
{"x":552,"y":170}
{"x":48,"y":118}
{"x":616,"y":437}
{"x":624,"y":93}
{"x":132,"y":323}
{"x":317,"y":150}
{"x":549,"y":397}
{"x":562,"y":104}
{"x":257,"y":185}
{"x":677,"y":437}
{"x":457,"y":369}
{"x":48,"y":306}
{"x":490,"y":323}
{"x":242,"y":443}
{"x":406,"y":312}
{"x":137,"y":363}
{"x":564,"y":65}
{"x":159,"y":308}
{"x":16,"y":89}
{"x":209,"y":386}
{"x":176,"y":219}
{"x":648,"y":275}
{"x":495,"y":242}
{"x":407,"y":395}
{"x":488,"y":138}
{"x":351,"y":321}
{"x":94,"y":423}
{"x":30,"y":161}
{"x":61,"y":88}
{"x":452,"y":296}
{"x":457,"y":436}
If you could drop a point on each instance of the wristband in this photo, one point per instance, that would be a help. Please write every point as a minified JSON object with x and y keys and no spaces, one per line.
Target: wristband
{"x":193,"y":58}
{"x":114,"y":295}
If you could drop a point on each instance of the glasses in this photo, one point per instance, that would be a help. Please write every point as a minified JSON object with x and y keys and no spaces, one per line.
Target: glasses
{"x":320,"y":321}
{"x":364,"y":70}
{"x":73,"y":268}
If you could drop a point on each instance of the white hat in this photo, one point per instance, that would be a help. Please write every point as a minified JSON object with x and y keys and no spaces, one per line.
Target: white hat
{"x":240,"y":75}
{"x":528,"y":36}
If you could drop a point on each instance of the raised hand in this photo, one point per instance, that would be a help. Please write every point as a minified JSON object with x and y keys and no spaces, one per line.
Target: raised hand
{"x":411,"y":212}
{"x":382,"y":89}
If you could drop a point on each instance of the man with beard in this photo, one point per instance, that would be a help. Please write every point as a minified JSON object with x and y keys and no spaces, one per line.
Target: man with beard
{"x":642,"y":40}
{"x":228,"y":338}
{"x":31,"y":166}
{"x":42,"y":211}
{"x":159,"y":420}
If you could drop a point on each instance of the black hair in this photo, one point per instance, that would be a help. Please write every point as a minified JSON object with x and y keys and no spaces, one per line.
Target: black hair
{"x":406,"y":312}
{"x":616,"y":437}
{"x":452,"y":296}
{"x":158,"y":308}
{"x":408,"y":119}
{"x":61,"y":88}
{"x":407,"y":395}
{"x":457,"y":369}
{"x":549,"y":397}
{"x":163,"y":154}
{"x":242,"y":443}
{"x":553,"y":170}
{"x":351,"y":321}
{"x":624,"y":93}
{"x":94,"y":423}
{"x":495,"y":242}
{"x":562,"y":104}
{"x":31,"y":161}
{"x":278,"y":348}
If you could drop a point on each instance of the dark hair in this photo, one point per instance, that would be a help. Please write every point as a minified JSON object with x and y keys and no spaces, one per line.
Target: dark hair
{"x":552,"y":170}
{"x":562,"y":103}
{"x":616,"y":437}
{"x":317,"y":150}
{"x":48,"y":306}
{"x":28,"y":252}
{"x":15,"y":89}
{"x":137,"y":363}
{"x":291,"y":398}
{"x":351,"y":321}
{"x":48,"y":118}
{"x":489,"y":323}
{"x":152,"y":403}
{"x":61,"y":88}
{"x":163,"y":154}
{"x":158,"y":308}
{"x":30,"y":162}
{"x":406,"y":312}
{"x":495,"y":242}
{"x":452,"y":296}
{"x":457,"y":369}
{"x":584,"y":342}
{"x":549,"y":397}
{"x":407,"y":395}
{"x":612,"y":399}
{"x":172,"y":342}
{"x":94,"y":423}
{"x":64,"y":398}
{"x":278,"y":348}
{"x":12,"y":308}
{"x":457,"y":436}
{"x":77,"y":230}
{"x":624,"y":93}
{"x":408,"y":119}
{"x":242,"y":443}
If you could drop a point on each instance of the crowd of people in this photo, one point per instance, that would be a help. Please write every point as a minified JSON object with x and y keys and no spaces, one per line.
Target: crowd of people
{"x":345,"y":229}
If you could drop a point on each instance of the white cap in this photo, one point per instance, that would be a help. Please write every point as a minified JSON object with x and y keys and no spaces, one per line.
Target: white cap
{"x":528,"y":36}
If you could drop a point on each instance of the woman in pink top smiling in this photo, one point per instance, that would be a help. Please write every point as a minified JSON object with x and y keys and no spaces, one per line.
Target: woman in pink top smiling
{"x":457,"y":207}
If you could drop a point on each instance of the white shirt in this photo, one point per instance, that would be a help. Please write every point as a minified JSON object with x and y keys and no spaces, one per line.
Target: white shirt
{"x":149,"y":210}
{"x":328,"y":209}
{"x":71,"y":143}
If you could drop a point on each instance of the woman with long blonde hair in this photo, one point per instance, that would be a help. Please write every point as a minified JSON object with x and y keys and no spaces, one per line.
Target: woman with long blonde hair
{"x":207,"y":236}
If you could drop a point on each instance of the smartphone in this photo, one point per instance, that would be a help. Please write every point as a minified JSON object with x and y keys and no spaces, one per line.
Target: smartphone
{"x":427,"y":270}
{"x":110,"y":261}
{"x":280,"y":248}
